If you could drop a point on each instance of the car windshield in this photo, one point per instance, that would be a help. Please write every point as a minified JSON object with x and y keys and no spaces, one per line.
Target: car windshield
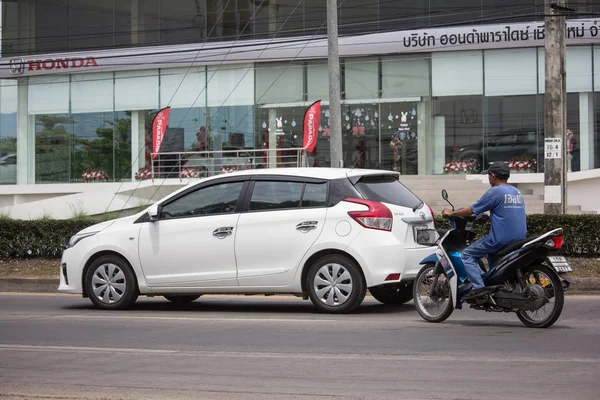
{"x":387,"y":189}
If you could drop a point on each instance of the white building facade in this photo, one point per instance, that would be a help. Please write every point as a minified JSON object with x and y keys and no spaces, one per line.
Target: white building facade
{"x":417,"y":101}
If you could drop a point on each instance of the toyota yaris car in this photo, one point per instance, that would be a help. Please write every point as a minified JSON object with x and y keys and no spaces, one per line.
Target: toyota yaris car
{"x":321,"y":233}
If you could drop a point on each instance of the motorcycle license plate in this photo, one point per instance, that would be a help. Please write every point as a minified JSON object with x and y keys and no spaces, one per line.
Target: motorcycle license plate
{"x":560,"y":264}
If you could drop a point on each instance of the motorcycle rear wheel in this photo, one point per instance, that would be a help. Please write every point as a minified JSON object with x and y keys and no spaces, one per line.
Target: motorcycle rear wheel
{"x":548,"y":314}
{"x":439,"y":307}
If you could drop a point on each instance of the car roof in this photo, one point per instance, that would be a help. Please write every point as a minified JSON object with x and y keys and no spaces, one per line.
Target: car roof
{"x":306,"y":172}
{"x":310,"y":172}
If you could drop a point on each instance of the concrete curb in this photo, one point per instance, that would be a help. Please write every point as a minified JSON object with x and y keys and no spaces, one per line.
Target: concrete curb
{"x":29,"y":285}
{"x":50,"y":285}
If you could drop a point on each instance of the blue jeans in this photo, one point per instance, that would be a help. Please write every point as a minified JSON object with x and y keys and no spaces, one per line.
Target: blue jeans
{"x":470,"y":256}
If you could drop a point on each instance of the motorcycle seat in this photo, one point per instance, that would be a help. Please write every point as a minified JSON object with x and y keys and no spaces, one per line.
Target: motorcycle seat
{"x":494,"y":258}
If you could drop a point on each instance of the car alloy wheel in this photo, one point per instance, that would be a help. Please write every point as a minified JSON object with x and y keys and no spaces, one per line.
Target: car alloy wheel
{"x":108,"y":283}
{"x":111,"y":284}
{"x":333,"y":284}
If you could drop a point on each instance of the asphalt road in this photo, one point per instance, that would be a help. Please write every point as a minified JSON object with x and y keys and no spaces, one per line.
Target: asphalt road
{"x":59,"y":347}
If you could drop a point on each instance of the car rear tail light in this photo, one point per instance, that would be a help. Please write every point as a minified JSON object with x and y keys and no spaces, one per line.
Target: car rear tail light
{"x":378,"y":216}
{"x":430,"y":210}
{"x":393,"y":277}
{"x":554,"y":243}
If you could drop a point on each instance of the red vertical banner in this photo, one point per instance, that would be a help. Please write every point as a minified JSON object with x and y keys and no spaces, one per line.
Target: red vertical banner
{"x":159,"y":126}
{"x":312,"y":119}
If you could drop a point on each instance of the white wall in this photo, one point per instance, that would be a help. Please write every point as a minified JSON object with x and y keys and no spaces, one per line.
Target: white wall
{"x":63,"y":201}
{"x":583,"y":188}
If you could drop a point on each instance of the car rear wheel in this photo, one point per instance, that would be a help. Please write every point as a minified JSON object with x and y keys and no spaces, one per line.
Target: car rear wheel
{"x":335,"y":284}
{"x":110,"y":283}
{"x":393,"y":293}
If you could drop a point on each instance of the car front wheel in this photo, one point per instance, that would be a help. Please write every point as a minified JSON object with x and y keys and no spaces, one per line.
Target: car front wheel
{"x":335,"y":284}
{"x":110,"y":283}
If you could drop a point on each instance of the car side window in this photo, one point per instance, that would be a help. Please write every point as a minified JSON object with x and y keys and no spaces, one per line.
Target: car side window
{"x":274,"y":195}
{"x":217,"y":199}
{"x":315,"y":195}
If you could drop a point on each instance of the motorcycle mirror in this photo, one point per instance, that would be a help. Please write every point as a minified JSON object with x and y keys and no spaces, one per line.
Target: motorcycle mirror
{"x":445,"y":197}
{"x":444,"y":194}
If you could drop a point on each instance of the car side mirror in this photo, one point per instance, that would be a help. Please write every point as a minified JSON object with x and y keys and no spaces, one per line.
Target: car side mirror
{"x":153,"y":213}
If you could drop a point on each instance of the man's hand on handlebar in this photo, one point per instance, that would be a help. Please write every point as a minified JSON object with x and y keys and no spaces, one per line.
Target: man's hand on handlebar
{"x":463,"y":212}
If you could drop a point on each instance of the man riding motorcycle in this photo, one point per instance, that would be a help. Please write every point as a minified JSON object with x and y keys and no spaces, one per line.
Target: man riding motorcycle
{"x":508,"y":223}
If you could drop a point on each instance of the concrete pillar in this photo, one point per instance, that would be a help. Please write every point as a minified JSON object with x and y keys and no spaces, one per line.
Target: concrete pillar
{"x":425,"y":145}
{"x":586,"y":131}
{"x":272,"y":138}
{"x":439,"y":144}
{"x":138,"y":141}
{"x":25,"y":136}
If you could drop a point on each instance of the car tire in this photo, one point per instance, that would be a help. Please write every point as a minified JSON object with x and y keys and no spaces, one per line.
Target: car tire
{"x":111,"y":284}
{"x":394,"y":293}
{"x":182,"y":300}
{"x":335,"y":284}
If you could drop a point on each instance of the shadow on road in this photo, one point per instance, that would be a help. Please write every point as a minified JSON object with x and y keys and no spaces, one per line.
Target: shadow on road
{"x":246,"y":306}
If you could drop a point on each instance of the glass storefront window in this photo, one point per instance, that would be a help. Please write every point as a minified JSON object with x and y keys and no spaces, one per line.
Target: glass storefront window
{"x":361,"y":79}
{"x":91,"y":144}
{"x":279,"y":83}
{"x":512,"y":132}
{"x":52,"y":148}
{"x":405,"y":76}
{"x":399,"y":124}
{"x":457,"y":130}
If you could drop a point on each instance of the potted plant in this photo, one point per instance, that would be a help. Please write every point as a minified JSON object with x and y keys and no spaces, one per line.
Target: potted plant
{"x":95,"y":175}
{"x":460,"y":167}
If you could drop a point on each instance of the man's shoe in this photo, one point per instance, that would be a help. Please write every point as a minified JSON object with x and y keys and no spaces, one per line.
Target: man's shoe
{"x":475,"y":293}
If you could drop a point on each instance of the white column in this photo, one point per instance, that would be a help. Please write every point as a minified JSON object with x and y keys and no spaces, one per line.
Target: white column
{"x":25,"y":137}
{"x":425,"y":148}
{"x":439,"y":144}
{"x":586,"y":130}
{"x":272,"y":138}
{"x":138,"y":141}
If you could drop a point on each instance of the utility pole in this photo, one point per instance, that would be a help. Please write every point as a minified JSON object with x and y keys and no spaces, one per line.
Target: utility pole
{"x":555,"y":110}
{"x":335,"y":109}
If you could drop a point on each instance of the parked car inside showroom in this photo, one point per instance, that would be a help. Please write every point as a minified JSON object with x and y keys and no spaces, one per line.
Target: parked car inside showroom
{"x":325,"y":234}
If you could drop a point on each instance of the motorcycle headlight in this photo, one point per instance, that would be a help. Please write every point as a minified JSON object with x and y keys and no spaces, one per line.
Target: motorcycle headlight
{"x":76,"y":238}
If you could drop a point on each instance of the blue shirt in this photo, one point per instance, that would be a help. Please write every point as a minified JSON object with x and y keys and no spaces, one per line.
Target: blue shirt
{"x":507,"y":209}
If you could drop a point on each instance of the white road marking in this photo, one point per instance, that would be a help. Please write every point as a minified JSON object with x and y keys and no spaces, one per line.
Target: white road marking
{"x":298,"y":356}
{"x":20,"y":316}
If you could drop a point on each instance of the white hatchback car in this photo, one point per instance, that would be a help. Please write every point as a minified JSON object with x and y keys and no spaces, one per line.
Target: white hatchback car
{"x":321,"y":233}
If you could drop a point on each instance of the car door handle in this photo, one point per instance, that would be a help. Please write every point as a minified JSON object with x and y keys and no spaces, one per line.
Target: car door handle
{"x":307,"y":226}
{"x":222,"y":233}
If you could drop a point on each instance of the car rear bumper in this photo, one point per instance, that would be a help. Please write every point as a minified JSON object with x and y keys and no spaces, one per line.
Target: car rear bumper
{"x":381,"y":255}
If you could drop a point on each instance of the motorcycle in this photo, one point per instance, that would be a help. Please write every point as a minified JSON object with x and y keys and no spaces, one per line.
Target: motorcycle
{"x":527,"y":277}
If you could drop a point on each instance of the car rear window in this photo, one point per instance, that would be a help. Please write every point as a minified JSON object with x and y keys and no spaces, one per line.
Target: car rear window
{"x":387,"y":189}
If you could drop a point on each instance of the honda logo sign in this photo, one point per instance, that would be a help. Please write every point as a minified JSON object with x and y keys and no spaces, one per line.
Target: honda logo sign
{"x":16,"y":66}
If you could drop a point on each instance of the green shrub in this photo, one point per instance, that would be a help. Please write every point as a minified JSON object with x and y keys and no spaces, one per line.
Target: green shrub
{"x":47,"y":237}
{"x":581,"y":239}
{"x":38,"y":238}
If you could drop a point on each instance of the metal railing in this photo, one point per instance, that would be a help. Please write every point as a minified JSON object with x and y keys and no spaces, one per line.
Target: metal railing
{"x":200,"y":164}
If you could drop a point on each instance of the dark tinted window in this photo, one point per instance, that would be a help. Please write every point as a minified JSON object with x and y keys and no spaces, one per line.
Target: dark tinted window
{"x":276,"y":195}
{"x":218,"y":199}
{"x":386,"y":189}
{"x":315,"y":195}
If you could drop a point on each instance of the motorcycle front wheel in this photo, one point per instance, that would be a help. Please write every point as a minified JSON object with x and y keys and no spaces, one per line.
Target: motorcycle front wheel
{"x":546,"y":315}
{"x":432,"y":305}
